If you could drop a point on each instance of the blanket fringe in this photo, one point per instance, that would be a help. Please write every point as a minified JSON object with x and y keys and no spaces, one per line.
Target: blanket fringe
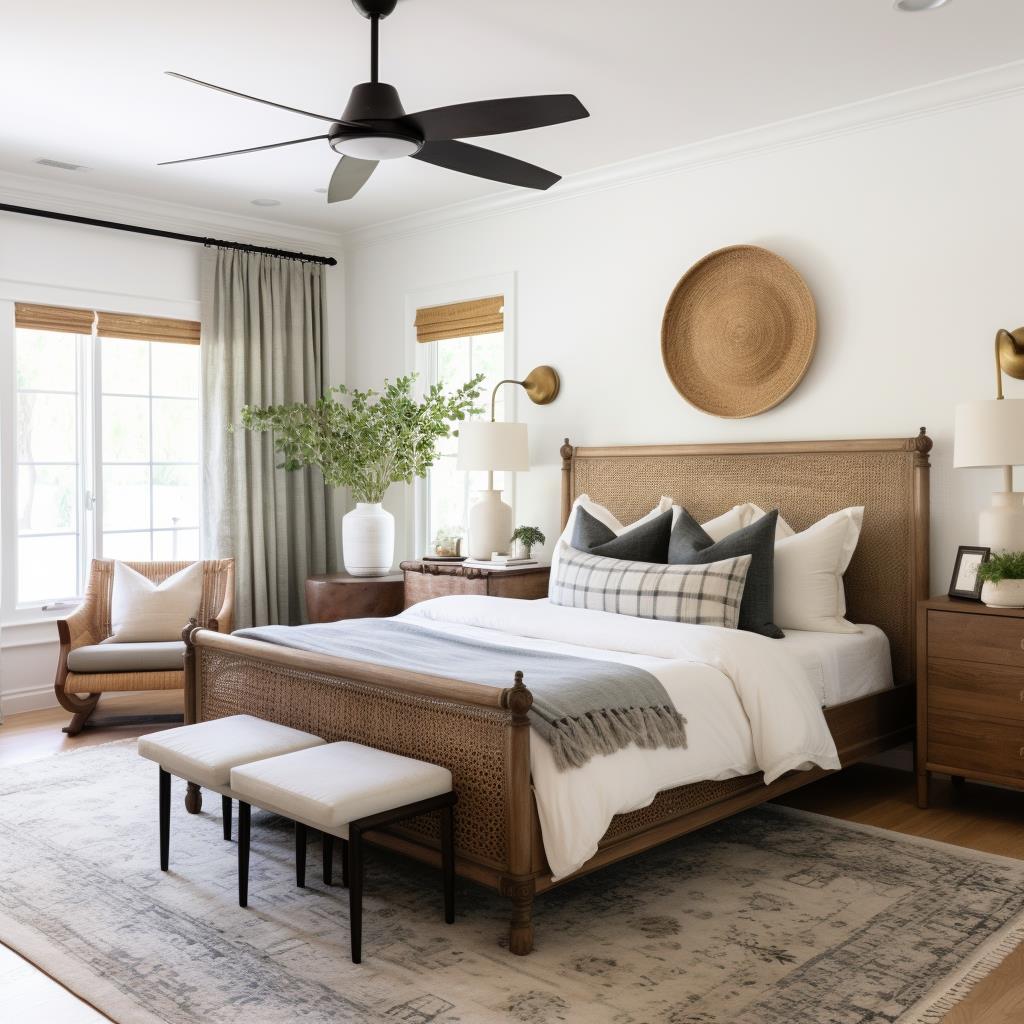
{"x":574,"y":741}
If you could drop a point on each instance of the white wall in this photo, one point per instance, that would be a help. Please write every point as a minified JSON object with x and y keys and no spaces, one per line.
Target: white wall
{"x":908,"y":234}
{"x":49,"y":261}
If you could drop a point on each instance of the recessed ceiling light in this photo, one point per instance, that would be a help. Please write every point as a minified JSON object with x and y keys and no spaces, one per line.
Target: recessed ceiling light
{"x":265,"y":202}
{"x":913,"y":6}
{"x":322,"y":191}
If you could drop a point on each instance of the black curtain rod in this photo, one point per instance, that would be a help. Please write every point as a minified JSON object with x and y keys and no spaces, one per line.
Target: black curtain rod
{"x":328,"y":261}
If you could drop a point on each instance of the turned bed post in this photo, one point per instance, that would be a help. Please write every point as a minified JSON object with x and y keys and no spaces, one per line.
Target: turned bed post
{"x":519,"y":884}
{"x":193,"y":794}
{"x":566,"y":452}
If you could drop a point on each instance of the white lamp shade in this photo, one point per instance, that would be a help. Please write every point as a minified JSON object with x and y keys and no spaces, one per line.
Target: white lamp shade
{"x":989,"y":433}
{"x":494,"y":447}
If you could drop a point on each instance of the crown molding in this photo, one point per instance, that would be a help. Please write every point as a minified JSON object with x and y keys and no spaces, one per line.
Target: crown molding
{"x":101,"y":204}
{"x":921,"y":101}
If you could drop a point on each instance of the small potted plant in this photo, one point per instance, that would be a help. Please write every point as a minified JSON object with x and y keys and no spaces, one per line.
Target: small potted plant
{"x":367,"y":441}
{"x":1003,"y":580}
{"x":525,"y":537}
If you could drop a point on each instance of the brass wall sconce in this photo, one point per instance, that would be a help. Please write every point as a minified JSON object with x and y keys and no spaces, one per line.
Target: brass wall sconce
{"x":1009,"y":356}
{"x":541,"y":384}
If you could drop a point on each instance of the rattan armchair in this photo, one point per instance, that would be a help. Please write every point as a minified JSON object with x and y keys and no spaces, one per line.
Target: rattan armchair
{"x":79,"y":692}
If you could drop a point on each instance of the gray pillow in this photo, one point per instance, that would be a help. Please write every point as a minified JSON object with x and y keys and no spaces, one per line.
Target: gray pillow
{"x":690,"y":545}
{"x":646,"y":543}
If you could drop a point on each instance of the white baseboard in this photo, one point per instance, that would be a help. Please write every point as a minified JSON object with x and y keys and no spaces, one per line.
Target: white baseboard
{"x":29,"y":698}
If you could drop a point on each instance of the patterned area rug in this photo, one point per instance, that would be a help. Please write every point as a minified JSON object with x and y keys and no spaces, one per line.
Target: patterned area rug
{"x":772,"y":917}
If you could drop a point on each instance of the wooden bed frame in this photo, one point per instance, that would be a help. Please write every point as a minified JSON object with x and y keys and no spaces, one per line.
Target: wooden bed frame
{"x":482,"y":733}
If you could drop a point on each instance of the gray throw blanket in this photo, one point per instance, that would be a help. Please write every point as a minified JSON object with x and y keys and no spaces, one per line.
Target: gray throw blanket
{"x":581,"y":706}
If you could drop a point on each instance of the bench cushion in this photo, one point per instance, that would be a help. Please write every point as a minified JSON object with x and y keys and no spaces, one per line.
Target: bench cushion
{"x":329,"y":786}
{"x":206,"y":752}
{"x":158,"y":656}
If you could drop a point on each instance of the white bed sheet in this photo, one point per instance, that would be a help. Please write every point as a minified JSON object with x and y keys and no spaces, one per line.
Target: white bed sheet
{"x":843,"y":666}
{"x":748,"y":703}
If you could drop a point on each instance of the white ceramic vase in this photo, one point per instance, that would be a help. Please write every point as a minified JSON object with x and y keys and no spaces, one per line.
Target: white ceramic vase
{"x":1005,"y":594}
{"x":368,"y":540}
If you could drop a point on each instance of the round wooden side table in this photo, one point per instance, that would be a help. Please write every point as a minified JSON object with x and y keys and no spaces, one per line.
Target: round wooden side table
{"x":340,"y":596}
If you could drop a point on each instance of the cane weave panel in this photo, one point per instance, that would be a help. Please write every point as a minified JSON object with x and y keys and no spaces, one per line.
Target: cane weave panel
{"x":120,"y":682}
{"x":470,"y":742}
{"x":804,"y":486}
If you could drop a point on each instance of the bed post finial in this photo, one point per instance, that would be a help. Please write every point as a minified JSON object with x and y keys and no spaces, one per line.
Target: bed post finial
{"x":566,"y":451}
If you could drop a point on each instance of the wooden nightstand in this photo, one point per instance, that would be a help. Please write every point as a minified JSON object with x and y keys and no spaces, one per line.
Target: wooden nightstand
{"x":970,"y":693}
{"x":340,"y":596}
{"x":424,"y":580}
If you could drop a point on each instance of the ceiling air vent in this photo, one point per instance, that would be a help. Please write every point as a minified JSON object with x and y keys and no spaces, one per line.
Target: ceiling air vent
{"x":61,"y":165}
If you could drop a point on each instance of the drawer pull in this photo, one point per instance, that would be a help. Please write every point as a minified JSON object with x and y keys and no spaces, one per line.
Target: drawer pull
{"x":1020,"y":753}
{"x":1021,"y":697}
{"x":1022,"y":644}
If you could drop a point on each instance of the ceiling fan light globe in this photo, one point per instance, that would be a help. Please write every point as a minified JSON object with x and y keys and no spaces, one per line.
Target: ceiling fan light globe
{"x":375,"y":147}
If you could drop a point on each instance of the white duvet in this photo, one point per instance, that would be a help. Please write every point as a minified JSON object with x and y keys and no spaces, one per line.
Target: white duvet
{"x":749,"y":706}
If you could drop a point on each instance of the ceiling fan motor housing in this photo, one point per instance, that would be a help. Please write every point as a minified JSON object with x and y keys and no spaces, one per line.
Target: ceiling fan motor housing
{"x":377,"y":106}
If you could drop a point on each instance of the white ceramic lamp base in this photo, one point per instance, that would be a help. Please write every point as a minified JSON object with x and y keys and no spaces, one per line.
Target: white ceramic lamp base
{"x":1001,"y":525}
{"x":490,"y":525}
{"x":368,"y":540}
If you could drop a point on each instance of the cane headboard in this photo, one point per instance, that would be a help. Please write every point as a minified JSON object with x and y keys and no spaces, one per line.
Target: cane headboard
{"x":805,"y":480}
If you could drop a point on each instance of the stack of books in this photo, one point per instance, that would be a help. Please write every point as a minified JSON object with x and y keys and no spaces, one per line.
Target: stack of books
{"x":500,"y":562}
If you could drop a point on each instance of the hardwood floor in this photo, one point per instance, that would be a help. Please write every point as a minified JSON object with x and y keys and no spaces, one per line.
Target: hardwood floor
{"x":974,"y":816}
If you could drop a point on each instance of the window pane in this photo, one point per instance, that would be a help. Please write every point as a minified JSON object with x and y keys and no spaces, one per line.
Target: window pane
{"x":175,"y":369}
{"x":46,"y":498}
{"x":125,"y":497}
{"x":47,"y":360}
{"x":175,"y":496}
{"x":47,"y":568}
{"x":46,"y":428}
{"x":129,"y":547}
{"x":125,"y":366}
{"x":125,"y":430}
{"x":176,"y":545}
{"x":175,"y":430}
{"x":453,"y":361}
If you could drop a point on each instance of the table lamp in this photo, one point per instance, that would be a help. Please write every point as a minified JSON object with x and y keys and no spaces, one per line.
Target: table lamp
{"x":991,"y":433}
{"x":499,"y":447}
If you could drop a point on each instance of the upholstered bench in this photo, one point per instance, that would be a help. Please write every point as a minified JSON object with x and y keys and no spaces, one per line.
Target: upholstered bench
{"x":344,"y":790}
{"x":206,"y":752}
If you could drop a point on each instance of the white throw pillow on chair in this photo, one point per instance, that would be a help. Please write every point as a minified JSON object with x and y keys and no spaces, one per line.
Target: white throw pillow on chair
{"x":143,"y":611}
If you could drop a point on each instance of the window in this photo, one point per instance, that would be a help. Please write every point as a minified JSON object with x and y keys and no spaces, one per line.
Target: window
{"x":106,"y":445}
{"x":459,"y":340}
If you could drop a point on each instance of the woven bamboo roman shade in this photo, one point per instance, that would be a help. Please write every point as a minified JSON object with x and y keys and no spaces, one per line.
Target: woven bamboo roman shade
{"x":461,"y":319}
{"x":108,"y":325}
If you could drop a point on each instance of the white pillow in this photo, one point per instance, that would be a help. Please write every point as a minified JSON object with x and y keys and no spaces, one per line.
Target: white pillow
{"x":739,"y":516}
{"x":809,"y":569}
{"x":602,"y":514}
{"x":142,"y":611}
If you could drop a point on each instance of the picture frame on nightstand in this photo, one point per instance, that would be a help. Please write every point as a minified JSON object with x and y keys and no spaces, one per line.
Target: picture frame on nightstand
{"x":965,"y":583}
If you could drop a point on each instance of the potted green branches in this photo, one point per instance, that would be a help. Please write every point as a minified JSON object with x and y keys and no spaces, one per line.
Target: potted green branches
{"x":525,"y":537}
{"x":367,"y":441}
{"x":1002,"y":579}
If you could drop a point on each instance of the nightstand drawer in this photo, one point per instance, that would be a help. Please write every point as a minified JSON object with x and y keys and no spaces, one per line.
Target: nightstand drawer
{"x":992,"y":639}
{"x":971,"y":745}
{"x":968,"y":687}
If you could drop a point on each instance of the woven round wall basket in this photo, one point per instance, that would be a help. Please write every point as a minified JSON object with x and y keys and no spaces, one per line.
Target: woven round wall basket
{"x":738,"y":332}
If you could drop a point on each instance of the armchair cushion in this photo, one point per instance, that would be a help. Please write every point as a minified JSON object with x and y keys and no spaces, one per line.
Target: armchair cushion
{"x":160,"y":656}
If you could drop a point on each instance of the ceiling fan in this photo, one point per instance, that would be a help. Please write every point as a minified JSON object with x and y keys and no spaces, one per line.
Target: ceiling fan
{"x":374,"y":126}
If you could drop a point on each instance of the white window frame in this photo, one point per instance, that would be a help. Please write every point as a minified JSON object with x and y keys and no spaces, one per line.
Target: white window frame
{"x":19,"y":624}
{"x":421,"y":358}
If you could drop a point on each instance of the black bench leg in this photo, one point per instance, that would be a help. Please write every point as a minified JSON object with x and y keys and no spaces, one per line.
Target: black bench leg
{"x":243,"y":853}
{"x":355,"y":892}
{"x":300,"y":855}
{"x":165,"y":818}
{"x":327,"y":845}
{"x":448,"y":862}
{"x":225,"y":813}
{"x":344,"y":862}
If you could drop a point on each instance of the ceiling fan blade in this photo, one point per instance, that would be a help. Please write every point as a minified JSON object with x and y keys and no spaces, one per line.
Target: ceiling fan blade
{"x":236,"y":152}
{"x":256,"y":99}
{"x":485,"y":163}
{"x":349,"y":177}
{"x":495,"y":117}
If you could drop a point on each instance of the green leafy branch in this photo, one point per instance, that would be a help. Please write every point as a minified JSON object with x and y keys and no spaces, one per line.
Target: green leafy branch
{"x":1006,"y":566}
{"x":372,"y":440}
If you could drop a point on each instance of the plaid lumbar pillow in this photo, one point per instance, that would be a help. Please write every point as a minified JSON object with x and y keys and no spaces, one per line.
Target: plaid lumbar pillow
{"x":704,"y":595}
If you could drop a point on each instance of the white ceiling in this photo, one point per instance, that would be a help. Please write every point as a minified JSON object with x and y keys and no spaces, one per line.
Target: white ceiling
{"x":82,"y":82}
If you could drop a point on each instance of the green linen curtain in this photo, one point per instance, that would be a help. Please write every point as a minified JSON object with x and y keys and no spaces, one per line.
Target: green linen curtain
{"x":263,"y":336}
